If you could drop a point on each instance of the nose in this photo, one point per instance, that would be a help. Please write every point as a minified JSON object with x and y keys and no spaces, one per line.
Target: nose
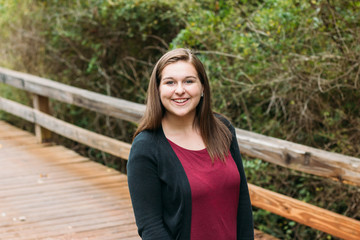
{"x":179,"y":89}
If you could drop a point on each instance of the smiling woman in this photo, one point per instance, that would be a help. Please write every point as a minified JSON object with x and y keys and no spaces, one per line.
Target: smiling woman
{"x":185,"y":172}
{"x":180,"y":93}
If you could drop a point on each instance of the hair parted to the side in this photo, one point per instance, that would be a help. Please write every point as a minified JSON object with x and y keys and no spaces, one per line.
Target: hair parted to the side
{"x":216,"y":136}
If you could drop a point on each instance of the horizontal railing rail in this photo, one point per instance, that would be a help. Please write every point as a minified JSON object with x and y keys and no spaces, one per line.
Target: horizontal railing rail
{"x":280,"y":152}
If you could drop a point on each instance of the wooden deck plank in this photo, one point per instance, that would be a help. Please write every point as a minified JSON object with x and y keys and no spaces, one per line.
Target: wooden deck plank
{"x":35,"y":152}
{"x":47,"y":220}
{"x":73,"y":196}
{"x":76,"y":218}
{"x":50,"y":174}
{"x":50,"y":192}
{"x":58,"y":186}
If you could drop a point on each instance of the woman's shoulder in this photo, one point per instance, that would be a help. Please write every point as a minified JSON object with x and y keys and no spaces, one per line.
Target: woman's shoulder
{"x":144,"y":138}
{"x":141,"y":149}
{"x":147,"y":140}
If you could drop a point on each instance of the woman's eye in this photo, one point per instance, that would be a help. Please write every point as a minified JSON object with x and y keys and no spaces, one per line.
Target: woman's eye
{"x":189,"y":81}
{"x":169,"y":82}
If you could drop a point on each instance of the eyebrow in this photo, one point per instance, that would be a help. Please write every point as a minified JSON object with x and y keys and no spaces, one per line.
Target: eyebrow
{"x":166,"y":78}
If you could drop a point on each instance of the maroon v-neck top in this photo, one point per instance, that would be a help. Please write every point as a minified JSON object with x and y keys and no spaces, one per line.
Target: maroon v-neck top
{"x":214,"y":193}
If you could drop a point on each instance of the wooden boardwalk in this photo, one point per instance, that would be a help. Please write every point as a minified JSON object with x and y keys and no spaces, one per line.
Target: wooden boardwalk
{"x":50,"y":192}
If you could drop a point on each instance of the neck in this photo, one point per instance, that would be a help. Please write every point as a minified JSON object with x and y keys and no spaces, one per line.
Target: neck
{"x":183,"y":132}
{"x":176,"y":124}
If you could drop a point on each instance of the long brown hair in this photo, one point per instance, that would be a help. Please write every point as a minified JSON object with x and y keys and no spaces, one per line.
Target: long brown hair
{"x":216,"y":136}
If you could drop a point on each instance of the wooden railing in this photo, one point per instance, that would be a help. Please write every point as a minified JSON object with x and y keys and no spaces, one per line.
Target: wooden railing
{"x":280,"y":152}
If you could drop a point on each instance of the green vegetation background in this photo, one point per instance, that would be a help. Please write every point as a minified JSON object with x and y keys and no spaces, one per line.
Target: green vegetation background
{"x":283,"y":68}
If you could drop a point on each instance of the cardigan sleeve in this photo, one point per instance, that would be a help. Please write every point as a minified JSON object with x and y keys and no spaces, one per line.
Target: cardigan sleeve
{"x":145,"y":190}
{"x":245,"y":225}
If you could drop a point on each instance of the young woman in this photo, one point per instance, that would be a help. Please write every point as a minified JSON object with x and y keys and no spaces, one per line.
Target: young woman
{"x":185,"y":172}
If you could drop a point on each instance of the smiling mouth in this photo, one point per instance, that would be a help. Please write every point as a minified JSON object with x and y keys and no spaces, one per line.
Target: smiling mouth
{"x":180,"y":100}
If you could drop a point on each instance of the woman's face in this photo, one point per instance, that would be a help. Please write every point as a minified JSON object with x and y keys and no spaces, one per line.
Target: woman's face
{"x":180,"y":89}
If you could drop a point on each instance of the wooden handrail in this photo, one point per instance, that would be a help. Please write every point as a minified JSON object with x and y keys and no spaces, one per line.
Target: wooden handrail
{"x":305,"y":213}
{"x":277,"y":151}
{"x":300,"y":157}
{"x":94,"y":140}
{"x":110,"y":106}
{"x":280,"y":152}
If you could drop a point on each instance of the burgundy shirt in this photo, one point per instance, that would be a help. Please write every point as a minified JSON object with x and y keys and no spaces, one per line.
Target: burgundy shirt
{"x":214,"y":193}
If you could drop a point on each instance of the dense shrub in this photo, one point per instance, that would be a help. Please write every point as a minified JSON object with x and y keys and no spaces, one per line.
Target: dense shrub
{"x":107,"y":47}
{"x":289,"y":69}
{"x":20,"y":48}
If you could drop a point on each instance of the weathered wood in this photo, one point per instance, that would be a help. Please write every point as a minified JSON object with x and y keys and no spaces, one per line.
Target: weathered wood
{"x":111,"y":106}
{"x":260,"y":235}
{"x":72,"y":200}
{"x":300,"y":157}
{"x":304,"y":213}
{"x":41,"y":104}
{"x":97,"y":141}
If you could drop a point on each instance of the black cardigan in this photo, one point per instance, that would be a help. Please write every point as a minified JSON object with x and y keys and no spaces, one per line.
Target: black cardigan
{"x":160,"y":191}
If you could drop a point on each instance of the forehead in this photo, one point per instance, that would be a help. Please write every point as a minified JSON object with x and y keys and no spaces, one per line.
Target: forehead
{"x":179,"y":69}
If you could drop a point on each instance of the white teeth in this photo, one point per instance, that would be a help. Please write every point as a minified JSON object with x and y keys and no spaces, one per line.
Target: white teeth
{"x":180,"y":100}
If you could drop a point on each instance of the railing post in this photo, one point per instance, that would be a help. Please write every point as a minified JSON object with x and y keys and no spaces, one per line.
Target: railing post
{"x":41,"y":103}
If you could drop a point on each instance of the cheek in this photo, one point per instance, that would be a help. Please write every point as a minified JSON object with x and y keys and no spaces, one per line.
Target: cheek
{"x":162,"y":95}
{"x":161,"y":91}
{"x":165,"y":92}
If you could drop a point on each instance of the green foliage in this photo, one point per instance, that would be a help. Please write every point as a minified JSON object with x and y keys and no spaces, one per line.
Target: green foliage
{"x":8,"y":55}
{"x":284,"y":68}
{"x":110,"y":44}
{"x":104,"y":46}
{"x":108,"y":47}
{"x":276,"y":65}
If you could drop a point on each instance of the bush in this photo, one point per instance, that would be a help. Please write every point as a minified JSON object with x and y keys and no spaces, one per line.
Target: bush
{"x":107,"y":47}
{"x":287,"y":69}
